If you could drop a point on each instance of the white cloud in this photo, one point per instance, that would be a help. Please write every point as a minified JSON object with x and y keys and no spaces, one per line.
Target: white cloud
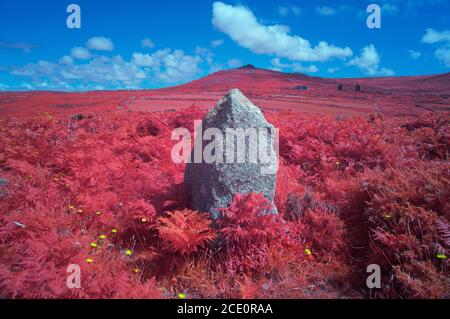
{"x":80,"y":53}
{"x":66,"y":60}
{"x":143,"y":59}
{"x":178,"y":67}
{"x":442,"y":53}
{"x":42,"y":67}
{"x":296,"y":67}
{"x":100,"y":44}
{"x":217,"y":43}
{"x":369,"y":62}
{"x":169,"y":66}
{"x":100,"y":72}
{"x":304,"y":69}
{"x":390,"y":9}
{"x":242,"y":26}
{"x":432,"y":36}
{"x":147,"y":43}
{"x":415,"y":55}
{"x":206,"y":54}
{"x":234,"y":63}
{"x":4,"y":87}
{"x":325,"y":11}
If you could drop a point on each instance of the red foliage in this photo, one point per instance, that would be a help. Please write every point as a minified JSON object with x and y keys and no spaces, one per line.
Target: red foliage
{"x":186,"y":231}
{"x":350,"y":192}
{"x":249,"y":221}
{"x":249,"y":227}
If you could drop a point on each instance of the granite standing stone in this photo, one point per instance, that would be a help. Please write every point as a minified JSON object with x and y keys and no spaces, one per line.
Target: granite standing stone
{"x":213,"y":185}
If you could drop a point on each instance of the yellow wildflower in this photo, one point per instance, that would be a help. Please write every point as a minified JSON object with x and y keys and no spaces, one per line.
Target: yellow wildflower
{"x":128,"y":252}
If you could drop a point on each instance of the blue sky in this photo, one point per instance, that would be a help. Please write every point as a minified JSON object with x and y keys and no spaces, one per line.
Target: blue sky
{"x":146,"y":44}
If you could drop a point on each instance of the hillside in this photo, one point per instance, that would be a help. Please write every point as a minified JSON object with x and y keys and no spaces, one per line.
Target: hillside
{"x":269,"y":89}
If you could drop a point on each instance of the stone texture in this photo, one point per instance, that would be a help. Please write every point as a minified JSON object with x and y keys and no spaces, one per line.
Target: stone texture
{"x":213,"y":185}
{"x":3,"y":183}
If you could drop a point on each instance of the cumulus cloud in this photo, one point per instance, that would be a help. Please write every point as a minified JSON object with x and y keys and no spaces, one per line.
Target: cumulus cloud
{"x":147,"y":43}
{"x":296,"y":67}
{"x":143,"y":59}
{"x":22,"y":46}
{"x":100,"y":44}
{"x":442,"y":53}
{"x":432,"y":36}
{"x":83,"y":71}
{"x":66,"y":60}
{"x":80,"y":53}
{"x":369,"y":62}
{"x":217,"y":43}
{"x":113,"y":71}
{"x":42,"y":67}
{"x":242,"y":26}
{"x":325,"y":11}
{"x":415,"y":55}
{"x":169,"y":66}
{"x":206,"y":54}
{"x":178,"y":67}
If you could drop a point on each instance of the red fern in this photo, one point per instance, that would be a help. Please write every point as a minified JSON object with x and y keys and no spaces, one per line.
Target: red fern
{"x":186,"y":231}
{"x":249,"y":220}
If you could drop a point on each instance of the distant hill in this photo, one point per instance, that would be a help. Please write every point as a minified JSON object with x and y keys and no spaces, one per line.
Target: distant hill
{"x":271,"y":90}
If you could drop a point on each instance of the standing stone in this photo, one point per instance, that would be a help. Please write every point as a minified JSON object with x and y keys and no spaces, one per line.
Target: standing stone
{"x":213,"y":185}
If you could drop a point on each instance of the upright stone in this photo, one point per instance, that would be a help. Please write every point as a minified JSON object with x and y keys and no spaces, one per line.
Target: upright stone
{"x":213,"y":184}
